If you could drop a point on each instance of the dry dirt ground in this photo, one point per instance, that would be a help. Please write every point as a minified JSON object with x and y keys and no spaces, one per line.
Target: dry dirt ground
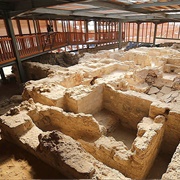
{"x":15,"y":162}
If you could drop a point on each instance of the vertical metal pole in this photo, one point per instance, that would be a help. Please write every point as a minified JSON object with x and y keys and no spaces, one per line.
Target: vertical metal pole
{"x":120,"y":35}
{"x":155,"y":31}
{"x":138,"y":31}
{"x":86,"y":29}
{"x":10,"y":31}
{"x":95,"y":29}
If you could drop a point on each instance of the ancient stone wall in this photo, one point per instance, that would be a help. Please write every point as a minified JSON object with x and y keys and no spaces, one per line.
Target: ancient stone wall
{"x":129,"y":106}
{"x":77,"y":110}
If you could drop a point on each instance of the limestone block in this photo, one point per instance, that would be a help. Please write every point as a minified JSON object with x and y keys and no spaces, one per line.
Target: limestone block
{"x":29,"y":140}
{"x":159,"y":95}
{"x":84,"y":99}
{"x":176,"y":83}
{"x":83,"y":126}
{"x":47,"y":94}
{"x":167,"y":98}
{"x":18,"y":124}
{"x":165,"y":90}
{"x":72,"y":80}
{"x":173,"y":171}
{"x":130,"y":106}
{"x":174,"y":61}
{"x":158,"y":83}
{"x":172,"y":135}
{"x":168,"y":80}
{"x":67,"y":155}
{"x":139,"y":87}
{"x":111,"y":152}
{"x":153,"y":90}
{"x":159,"y":108}
{"x":146,"y":145}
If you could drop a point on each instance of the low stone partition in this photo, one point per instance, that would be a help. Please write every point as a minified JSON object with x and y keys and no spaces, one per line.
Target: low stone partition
{"x":172,"y":129}
{"x":130,"y":106}
{"x":48,"y":94}
{"x":136,"y":162}
{"x":50,"y":118}
{"x":84,"y":99}
{"x":53,"y":147}
{"x":50,"y":91}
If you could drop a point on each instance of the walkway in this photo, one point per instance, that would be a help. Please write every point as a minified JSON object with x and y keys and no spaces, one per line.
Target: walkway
{"x":34,"y":44}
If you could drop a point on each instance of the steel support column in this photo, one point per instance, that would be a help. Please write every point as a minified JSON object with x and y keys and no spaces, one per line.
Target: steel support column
{"x":120,"y":35}
{"x":138,"y":31}
{"x":86,"y":30}
{"x":155,"y":31}
{"x":95,"y":29}
{"x":10,"y":31}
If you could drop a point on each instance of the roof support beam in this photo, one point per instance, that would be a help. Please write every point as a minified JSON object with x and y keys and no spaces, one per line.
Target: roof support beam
{"x":52,"y":11}
{"x":155,"y":32}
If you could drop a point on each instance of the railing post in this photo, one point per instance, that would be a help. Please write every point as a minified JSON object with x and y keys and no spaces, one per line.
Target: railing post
{"x":120,"y":35}
{"x":37,"y":37}
{"x":10,"y":31}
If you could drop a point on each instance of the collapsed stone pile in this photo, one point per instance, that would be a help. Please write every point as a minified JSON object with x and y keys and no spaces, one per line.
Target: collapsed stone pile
{"x":64,"y":59}
{"x":67,"y":114}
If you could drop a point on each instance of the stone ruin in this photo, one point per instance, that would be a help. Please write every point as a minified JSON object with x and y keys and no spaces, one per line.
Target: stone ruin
{"x":73,"y":118}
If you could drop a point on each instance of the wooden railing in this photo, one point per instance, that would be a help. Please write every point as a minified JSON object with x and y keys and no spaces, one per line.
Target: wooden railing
{"x":28,"y":45}
{"x":6,"y":50}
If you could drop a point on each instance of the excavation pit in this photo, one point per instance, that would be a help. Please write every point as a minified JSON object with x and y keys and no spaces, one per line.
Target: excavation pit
{"x":101,"y":130}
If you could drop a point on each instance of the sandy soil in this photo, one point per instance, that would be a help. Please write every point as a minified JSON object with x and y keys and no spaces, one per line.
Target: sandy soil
{"x":16,"y":163}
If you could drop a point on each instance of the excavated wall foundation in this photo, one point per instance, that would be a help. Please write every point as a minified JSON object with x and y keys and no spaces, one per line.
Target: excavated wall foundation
{"x":107,"y":117}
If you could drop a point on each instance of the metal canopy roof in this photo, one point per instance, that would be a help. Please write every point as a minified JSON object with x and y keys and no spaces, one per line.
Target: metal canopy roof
{"x":124,"y":10}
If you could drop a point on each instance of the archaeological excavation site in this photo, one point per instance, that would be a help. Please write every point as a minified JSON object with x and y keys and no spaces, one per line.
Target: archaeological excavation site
{"x":97,"y":96}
